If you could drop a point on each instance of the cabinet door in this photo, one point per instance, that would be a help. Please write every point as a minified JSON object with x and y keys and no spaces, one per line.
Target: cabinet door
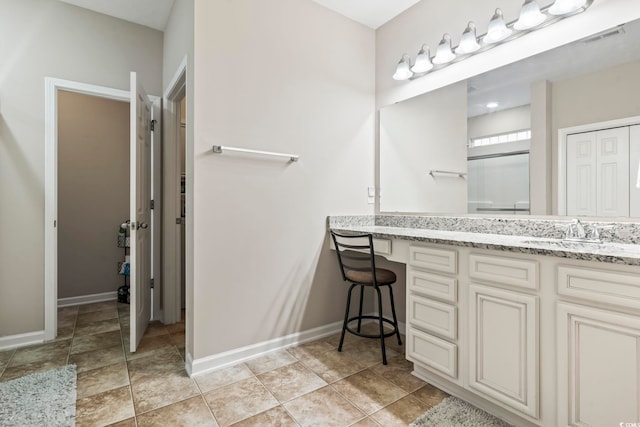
{"x":598,"y":367}
{"x":503,"y":347}
{"x":612,"y":174}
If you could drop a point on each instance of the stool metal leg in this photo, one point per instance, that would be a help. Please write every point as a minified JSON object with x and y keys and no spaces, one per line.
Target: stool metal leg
{"x":346,"y":317}
{"x":360,"y":310}
{"x":393,"y":311}
{"x":384,"y":352}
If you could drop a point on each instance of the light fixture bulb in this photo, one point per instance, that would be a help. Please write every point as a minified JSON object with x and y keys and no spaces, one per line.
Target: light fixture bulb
{"x":563,"y":7}
{"x":444,"y":54}
{"x":492,"y":104}
{"x":530,"y":16}
{"x":469,"y":40}
{"x":403,"y":70}
{"x":423,"y":61}
{"x":498,"y":30}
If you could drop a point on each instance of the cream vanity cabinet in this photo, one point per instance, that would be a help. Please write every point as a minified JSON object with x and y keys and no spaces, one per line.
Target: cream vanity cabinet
{"x":503,"y":331}
{"x":598,"y":345}
{"x":432,"y":313}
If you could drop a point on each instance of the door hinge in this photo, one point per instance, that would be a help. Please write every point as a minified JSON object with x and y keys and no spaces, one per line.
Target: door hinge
{"x":178,"y":220}
{"x":153,"y":204}
{"x":153,"y":124}
{"x":151,"y":283}
{"x":55,"y":223}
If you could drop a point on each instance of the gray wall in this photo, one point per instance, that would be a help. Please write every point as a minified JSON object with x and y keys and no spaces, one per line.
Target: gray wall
{"x":262,"y":262}
{"x":93,"y":192}
{"x":49,"y":38}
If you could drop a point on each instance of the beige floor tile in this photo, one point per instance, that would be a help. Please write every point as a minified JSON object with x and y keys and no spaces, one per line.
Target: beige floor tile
{"x":270,"y":361}
{"x":95,"y":359}
{"x":368,"y":352}
{"x":155,"y":328}
{"x":64,"y":333}
{"x":183,"y":353}
{"x":222,"y":377}
{"x":311,"y":349}
{"x":97,"y":327}
{"x":237,"y":401}
{"x":430,"y":395}
{"x":147,"y":346}
{"x":277,"y":416}
{"x":95,"y":342}
{"x":129,"y":422}
{"x":104,"y":408}
{"x":398,"y":371}
{"x":324,"y":407}
{"x":40,"y":353}
{"x":66,"y":312}
{"x":5,"y":356}
{"x":158,"y":363}
{"x":67,"y":322}
{"x":291,"y":381}
{"x":103,"y":379}
{"x":178,"y":339}
{"x":366,"y":422}
{"x":400,"y":413}
{"x":332,"y":366}
{"x":188,"y":413}
{"x":97,"y":306}
{"x":151,"y":393}
{"x":176,"y":327}
{"x":95,"y":316}
{"x":368,"y":391}
{"x":11,"y":373}
{"x":349,"y":339}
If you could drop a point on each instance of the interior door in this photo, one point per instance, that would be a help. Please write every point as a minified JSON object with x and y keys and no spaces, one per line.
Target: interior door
{"x":581,"y":174}
{"x":612,"y":172}
{"x":140,"y":205}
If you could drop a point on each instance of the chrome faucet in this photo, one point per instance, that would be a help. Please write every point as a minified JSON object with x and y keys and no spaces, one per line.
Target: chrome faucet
{"x":575,"y":231}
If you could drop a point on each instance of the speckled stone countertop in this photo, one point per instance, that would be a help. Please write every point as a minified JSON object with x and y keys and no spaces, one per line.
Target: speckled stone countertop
{"x":533,"y":236}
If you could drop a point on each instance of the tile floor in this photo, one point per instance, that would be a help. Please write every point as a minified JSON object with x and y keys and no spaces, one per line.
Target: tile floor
{"x":308,"y":385}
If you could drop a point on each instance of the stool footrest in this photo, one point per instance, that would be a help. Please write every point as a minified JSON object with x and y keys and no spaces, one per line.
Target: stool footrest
{"x":360,"y":334}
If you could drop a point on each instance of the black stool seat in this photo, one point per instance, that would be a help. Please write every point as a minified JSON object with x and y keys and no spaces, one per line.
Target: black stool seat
{"x":357,"y":264}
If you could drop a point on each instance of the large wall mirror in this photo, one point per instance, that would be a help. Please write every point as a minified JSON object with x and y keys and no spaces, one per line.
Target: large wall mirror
{"x":474,"y":146}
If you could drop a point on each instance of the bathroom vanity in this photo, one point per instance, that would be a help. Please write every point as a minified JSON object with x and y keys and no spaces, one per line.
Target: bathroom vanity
{"x":515,"y":319}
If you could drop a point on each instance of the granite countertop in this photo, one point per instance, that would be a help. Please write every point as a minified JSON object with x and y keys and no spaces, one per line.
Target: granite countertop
{"x":618,"y":253}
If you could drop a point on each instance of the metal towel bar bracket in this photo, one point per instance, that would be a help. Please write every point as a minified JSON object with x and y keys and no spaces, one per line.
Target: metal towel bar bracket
{"x":433,"y":173}
{"x":219,"y":149}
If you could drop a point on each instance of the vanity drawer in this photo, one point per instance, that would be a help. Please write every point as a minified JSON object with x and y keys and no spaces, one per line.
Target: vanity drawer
{"x":610,"y":287}
{"x":432,"y":352}
{"x":516,"y":272}
{"x":433,"y":285}
{"x":433,"y":316}
{"x":443,"y":260}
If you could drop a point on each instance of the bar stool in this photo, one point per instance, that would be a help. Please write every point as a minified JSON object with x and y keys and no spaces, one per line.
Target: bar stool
{"x":357,"y":265}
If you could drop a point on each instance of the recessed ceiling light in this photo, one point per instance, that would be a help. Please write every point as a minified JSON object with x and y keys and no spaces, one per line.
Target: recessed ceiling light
{"x":492,"y":105}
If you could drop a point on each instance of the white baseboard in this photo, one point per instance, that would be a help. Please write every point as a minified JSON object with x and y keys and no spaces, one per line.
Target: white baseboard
{"x":232,"y":357}
{"x":238,"y":355}
{"x":87,"y":299}
{"x":21,"y":340}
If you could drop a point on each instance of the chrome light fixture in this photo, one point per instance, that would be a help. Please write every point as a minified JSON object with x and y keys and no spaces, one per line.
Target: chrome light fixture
{"x":423,"y":61}
{"x":498,"y":30}
{"x":444,"y":54}
{"x":530,"y":16}
{"x":469,"y":41}
{"x":564,"y":7}
{"x":403,"y":70}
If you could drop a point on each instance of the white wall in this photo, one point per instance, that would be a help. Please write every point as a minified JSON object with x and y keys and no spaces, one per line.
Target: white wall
{"x":93,"y":192}
{"x":500,"y":122}
{"x":424,"y":133}
{"x":41,"y":38}
{"x":287,"y":76}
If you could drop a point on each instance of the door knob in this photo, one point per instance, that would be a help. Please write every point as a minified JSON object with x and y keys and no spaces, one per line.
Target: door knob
{"x":143,"y":225}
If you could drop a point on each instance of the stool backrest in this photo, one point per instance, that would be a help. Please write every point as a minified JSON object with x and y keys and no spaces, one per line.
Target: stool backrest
{"x":355,"y":253}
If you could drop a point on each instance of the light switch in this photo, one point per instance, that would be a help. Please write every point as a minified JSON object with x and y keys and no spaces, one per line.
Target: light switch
{"x":371,"y":191}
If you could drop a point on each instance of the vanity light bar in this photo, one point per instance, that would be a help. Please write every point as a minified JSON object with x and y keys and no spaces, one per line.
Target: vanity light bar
{"x":531,"y":18}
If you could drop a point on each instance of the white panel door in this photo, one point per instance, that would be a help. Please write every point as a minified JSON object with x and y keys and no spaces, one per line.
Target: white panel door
{"x":598,"y":367}
{"x":140,"y":205}
{"x":634,"y":171}
{"x":612,"y":172}
{"x":581,"y":174}
{"x":503,"y":347}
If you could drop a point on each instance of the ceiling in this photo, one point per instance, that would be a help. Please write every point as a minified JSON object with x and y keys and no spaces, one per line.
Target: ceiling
{"x":150,"y":13}
{"x":154,"y":13}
